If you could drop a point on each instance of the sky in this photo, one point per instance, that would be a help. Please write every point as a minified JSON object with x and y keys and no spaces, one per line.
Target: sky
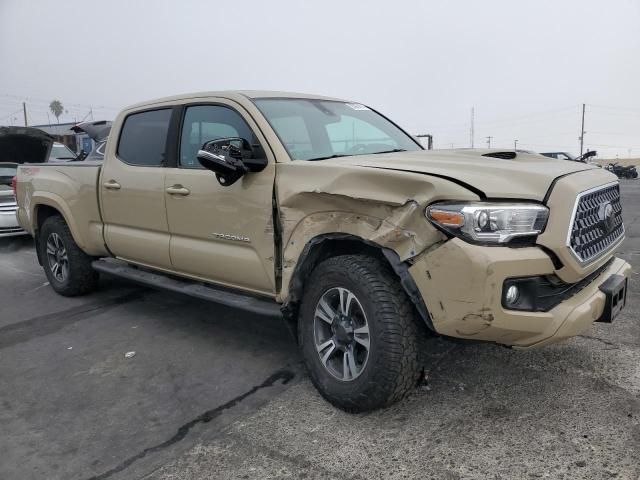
{"x":525,"y":67}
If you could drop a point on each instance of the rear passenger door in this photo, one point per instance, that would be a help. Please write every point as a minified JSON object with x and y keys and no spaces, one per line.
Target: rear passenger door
{"x":223,"y":234}
{"x":132,"y":192}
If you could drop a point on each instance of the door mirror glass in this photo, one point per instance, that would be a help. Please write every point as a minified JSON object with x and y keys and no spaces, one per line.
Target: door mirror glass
{"x":224,"y":158}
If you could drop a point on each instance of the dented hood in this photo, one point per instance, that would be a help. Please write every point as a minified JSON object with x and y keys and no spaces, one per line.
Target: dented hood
{"x":527,"y":176}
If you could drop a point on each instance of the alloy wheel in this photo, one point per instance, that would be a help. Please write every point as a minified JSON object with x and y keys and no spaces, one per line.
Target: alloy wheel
{"x":341,"y":334}
{"x":57,"y":257}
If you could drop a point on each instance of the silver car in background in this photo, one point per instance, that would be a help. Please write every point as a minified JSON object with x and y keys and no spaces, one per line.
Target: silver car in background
{"x":8,"y":222}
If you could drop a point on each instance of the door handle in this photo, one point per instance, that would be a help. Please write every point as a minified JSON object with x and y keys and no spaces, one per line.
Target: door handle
{"x":111,"y":185}
{"x":178,"y":190}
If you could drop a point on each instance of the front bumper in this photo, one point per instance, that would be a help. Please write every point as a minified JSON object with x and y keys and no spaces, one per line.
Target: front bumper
{"x":462,"y":287}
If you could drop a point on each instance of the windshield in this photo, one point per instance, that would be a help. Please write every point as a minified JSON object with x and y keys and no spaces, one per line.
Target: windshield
{"x":61,"y":152}
{"x":319,"y":129}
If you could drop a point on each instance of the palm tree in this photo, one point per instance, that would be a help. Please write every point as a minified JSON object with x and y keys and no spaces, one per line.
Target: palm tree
{"x":56,"y":108}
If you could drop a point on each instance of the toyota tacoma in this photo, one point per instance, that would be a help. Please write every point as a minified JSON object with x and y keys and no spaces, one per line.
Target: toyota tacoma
{"x":326,"y":212}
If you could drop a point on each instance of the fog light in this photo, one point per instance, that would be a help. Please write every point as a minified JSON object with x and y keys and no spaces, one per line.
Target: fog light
{"x":512,"y":295}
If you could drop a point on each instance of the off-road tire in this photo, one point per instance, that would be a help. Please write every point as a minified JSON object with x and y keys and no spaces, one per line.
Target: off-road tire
{"x":393,"y":366}
{"x":81,"y":278}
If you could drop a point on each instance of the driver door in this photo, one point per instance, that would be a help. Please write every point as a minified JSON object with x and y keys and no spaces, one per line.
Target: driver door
{"x":220,"y":234}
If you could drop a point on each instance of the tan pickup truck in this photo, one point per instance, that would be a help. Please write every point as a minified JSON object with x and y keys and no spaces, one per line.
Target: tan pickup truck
{"x":328,"y":213}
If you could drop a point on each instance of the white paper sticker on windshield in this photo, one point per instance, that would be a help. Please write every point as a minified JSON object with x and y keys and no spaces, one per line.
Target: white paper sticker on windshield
{"x":357,"y":106}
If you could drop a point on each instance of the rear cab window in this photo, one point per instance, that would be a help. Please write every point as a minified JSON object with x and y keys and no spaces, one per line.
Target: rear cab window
{"x":143,"y":138}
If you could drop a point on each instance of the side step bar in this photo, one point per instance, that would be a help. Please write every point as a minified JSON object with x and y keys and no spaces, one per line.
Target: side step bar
{"x":194,"y":289}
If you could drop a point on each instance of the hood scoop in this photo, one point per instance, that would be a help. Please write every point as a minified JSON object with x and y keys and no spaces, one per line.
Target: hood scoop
{"x":502,"y":155}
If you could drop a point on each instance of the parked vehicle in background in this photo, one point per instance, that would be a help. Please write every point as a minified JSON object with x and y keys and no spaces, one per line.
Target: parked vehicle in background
{"x":98,"y":131}
{"x":61,"y":153}
{"x":567,"y":156}
{"x":559,"y":155}
{"x":24,"y":145}
{"x":8,"y":207}
{"x":328,"y":212}
{"x":621,"y":171}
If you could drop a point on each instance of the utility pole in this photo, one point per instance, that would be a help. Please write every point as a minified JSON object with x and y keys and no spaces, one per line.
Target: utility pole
{"x":582,"y":131}
{"x":489,"y":141}
{"x":24,"y":110}
{"x":515,"y":145}
{"x":472,"y":133}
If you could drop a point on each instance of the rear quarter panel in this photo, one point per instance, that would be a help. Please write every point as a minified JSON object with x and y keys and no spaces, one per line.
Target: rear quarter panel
{"x":71,"y":189}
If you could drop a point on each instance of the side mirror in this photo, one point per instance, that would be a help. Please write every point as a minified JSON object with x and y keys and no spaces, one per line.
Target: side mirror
{"x":226,"y":163}
{"x":231,"y":158}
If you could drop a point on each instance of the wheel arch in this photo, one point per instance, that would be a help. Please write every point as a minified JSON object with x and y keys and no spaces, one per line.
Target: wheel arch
{"x":327,"y":245}
{"x":41,"y":210}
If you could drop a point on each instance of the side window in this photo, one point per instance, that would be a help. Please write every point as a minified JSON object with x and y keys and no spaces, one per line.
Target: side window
{"x":144,"y":137}
{"x":203,"y":123}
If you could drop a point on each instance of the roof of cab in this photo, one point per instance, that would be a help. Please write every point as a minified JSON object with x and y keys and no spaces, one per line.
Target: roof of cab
{"x":232,"y":95}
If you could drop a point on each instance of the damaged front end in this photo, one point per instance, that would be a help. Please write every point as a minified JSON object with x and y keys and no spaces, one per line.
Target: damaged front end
{"x":347,"y":210}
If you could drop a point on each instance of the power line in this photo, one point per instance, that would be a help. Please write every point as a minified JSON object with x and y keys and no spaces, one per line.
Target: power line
{"x":11,"y":114}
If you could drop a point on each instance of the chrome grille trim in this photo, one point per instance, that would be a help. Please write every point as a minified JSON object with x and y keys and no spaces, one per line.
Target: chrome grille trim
{"x":604,"y":243}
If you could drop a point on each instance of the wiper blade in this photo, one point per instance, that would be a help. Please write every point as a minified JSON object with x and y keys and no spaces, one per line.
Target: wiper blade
{"x":391,"y":151}
{"x":337,"y":155}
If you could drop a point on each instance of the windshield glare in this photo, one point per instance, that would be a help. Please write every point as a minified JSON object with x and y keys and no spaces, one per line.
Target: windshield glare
{"x":318,"y":129}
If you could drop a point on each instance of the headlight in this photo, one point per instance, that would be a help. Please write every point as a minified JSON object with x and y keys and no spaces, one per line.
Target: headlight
{"x":489,"y":222}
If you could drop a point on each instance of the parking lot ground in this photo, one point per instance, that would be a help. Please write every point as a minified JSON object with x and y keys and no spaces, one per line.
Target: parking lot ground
{"x":214,"y":393}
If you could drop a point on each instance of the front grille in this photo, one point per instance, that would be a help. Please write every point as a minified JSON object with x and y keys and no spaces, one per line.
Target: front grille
{"x":590,"y":236}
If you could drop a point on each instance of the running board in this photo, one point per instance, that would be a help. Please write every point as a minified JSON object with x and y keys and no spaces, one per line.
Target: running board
{"x":193,"y":289}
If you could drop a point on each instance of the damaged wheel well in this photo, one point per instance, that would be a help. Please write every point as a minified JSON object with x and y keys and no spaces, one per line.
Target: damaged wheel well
{"x":326,"y":246}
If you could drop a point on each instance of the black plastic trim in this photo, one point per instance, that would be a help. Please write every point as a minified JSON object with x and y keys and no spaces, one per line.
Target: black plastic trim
{"x":296,"y":284}
{"x":225,"y":296}
{"x":615,"y":289}
{"x":539,"y":294}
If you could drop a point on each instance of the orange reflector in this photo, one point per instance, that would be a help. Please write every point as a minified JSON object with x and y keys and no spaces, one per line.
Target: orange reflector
{"x":446,"y":217}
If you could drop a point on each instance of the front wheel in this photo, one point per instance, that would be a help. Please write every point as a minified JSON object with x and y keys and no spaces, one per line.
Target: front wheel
{"x":66,"y":266}
{"x":358,"y":333}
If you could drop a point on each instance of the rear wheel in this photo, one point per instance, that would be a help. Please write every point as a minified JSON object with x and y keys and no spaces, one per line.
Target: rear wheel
{"x":358,"y":333}
{"x":66,"y":266}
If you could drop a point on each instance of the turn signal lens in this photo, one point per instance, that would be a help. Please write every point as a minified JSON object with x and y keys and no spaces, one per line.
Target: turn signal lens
{"x":446,"y":217}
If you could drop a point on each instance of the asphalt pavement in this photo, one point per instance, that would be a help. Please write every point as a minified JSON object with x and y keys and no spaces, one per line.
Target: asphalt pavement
{"x":215,"y":393}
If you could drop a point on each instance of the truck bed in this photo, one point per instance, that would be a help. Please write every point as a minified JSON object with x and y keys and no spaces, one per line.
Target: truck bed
{"x":69,"y":188}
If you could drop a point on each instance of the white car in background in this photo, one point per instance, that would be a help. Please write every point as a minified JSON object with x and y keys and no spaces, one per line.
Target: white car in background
{"x":8,"y":222}
{"x":61,"y":153}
